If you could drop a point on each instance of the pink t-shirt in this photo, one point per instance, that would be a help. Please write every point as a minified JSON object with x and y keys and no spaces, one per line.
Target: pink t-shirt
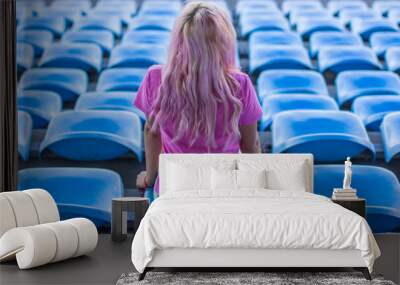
{"x":250,"y":114}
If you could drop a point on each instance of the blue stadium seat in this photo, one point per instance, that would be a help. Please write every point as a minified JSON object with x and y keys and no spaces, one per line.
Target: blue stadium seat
{"x":158,"y":12}
{"x":69,"y":13}
{"x":274,"y":38}
{"x":379,"y":186}
{"x":121,"y":79}
{"x":81,"y":5}
{"x":392,"y":59}
{"x":22,"y":13}
{"x":104,"y":39}
{"x":335,"y":59}
{"x":267,"y":22}
{"x":307,"y":26}
{"x":117,"y":5}
{"x":78,"y":192}
{"x":66,"y":82}
{"x":381,"y":41}
{"x":372,"y":109}
{"x":84,"y":56}
{"x":366,"y":27}
{"x":353,"y":84}
{"x":384,"y":7}
{"x":298,"y":15}
{"x":111,"y":24}
{"x":25,"y":126}
{"x":124,"y":15}
{"x":25,"y":56}
{"x":94,"y":135}
{"x":55,"y":25}
{"x":390,"y":131}
{"x":320,"y":132}
{"x":146,"y":37}
{"x":394,"y":16}
{"x":41,"y":105}
{"x":289,"y":6}
{"x":278,"y":57}
{"x":257,"y":6}
{"x":34,"y":7}
{"x":39,"y":40}
{"x":168,"y":6}
{"x":291,"y":81}
{"x":109,"y":101}
{"x":336,"y":6}
{"x":137,"y":55}
{"x":152,"y":23}
{"x":320,"y":40}
{"x":275,"y":104}
{"x":347,"y":15}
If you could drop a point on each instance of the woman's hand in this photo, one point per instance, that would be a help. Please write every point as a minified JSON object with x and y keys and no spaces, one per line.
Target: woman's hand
{"x":141,"y":180}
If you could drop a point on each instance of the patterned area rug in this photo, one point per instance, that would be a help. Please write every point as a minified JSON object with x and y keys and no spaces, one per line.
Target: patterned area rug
{"x":243,"y":278}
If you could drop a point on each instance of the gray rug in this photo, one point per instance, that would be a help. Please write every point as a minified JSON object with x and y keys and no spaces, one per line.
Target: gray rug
{"x":243,"y":278}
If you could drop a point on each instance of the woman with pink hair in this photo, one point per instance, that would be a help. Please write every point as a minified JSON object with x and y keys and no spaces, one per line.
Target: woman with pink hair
{"x":198,"y":102}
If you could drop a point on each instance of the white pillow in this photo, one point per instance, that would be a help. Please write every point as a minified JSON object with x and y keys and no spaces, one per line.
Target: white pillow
{"x":183,"y":177}
{"x":223,"y":179}
{"x":251,"y":178}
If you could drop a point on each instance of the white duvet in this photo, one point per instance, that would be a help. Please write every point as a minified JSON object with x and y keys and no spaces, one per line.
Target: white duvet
{"x":253,"y":218}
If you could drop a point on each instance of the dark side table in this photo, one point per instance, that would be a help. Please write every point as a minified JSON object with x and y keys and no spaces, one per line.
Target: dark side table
{"x":120,"y":209}
{"x":357,"y":205}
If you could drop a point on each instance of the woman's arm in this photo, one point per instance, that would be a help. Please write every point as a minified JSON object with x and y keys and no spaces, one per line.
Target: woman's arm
{"x":249,"y":140}
{"x":152,"y":147}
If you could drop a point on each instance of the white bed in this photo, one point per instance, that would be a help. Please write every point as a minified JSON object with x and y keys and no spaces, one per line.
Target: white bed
{"x":232,"y":226}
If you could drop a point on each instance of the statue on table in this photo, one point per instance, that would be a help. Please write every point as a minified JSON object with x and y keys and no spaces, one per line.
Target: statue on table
{"x":347,"y":174}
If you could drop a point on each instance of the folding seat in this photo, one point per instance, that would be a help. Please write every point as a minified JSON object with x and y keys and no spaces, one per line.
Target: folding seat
{"x":336,"y":6}
{"x":25,"y":126}
{"x":55,"y":25}
{"x":392,"y":59}
{"x":266,"y":22}
{"x":275,"y":104}
{"x":67,"y":82}
{"x":117,"y":5}
{"x":137,"y":55}
{"x":121,"y":79}
{"x":41,"y":105}
{"x":152,"y":23}
{"x":394,"y":16}
{"x":321,"y":40}
{"x":84,"y":56}
{"x":263,"y":38}
{"x":288,"y":6}
{"x":111,"y":24}
{"x":164,"y":6}
{"x":384,"y":7}
{"x":21,"y":13}
{"x":272,"y":82}
{"x":298,"y":15}
{"x":307,"y":26}
{"x":390,"y":131}
{"x":146,"y":37}
{"x":103,"y":39}
{"x":357,"y":83}
{"x":372,"y":109}
{"x":278,"y":57}
{"x":335,"y":59}
{"x":39,"y":40}
{"x":69,"y":13}
{"x":379,"y":186}
{"x":109,"y":101}
{"x":78,"y":192}
{"x":347,"y":15}
{"x":115,"y":12}
{"x":25,"y":56}
{"x":94,"y":135}
{"x":81,"y":5}
{"x":381,"y":41}
{"x":251,"y":6}
{"x":320,"y":132}
{"x":366,"y":27}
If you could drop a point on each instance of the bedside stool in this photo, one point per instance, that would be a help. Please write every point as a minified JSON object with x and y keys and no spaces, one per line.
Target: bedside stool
{"x":120,"y":209}
{"x":357,"y":205}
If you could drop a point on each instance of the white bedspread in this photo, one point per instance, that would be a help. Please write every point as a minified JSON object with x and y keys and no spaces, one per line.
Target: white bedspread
{"x":250,"y":219}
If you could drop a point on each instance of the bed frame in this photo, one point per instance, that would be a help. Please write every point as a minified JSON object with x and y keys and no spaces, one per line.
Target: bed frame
{"x":240,"y":259}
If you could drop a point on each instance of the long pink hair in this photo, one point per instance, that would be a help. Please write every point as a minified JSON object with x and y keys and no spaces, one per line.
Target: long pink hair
{"x":197,"y":77}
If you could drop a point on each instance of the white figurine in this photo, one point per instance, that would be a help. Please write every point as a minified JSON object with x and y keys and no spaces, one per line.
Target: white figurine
{"x":347,"y":174}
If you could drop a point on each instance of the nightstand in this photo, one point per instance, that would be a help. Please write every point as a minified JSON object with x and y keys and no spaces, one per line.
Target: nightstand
{"x":357,"y":205}
{"x":120,"y":209}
